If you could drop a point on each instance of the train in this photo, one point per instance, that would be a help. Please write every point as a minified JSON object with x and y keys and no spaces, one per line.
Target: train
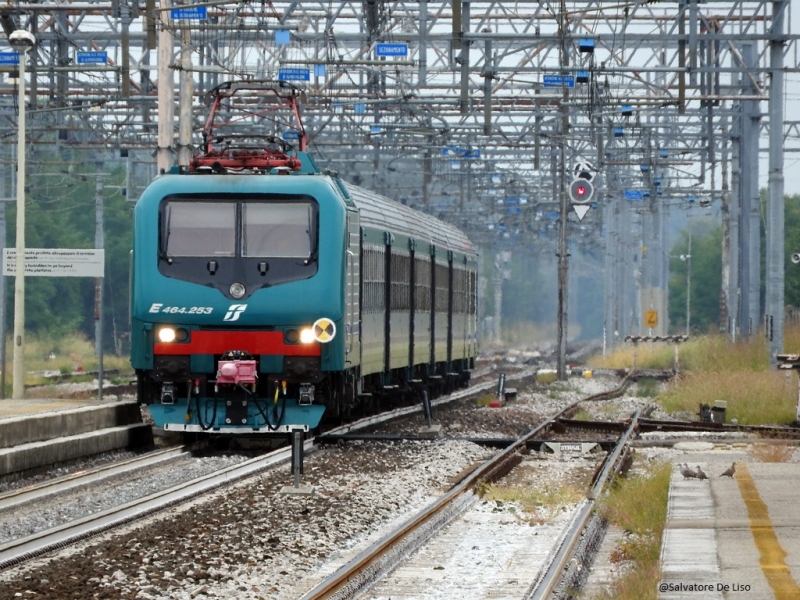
{"x":267,"y":294}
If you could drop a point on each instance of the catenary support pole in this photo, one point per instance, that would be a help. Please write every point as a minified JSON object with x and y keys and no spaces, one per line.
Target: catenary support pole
{"x":775,"y":215}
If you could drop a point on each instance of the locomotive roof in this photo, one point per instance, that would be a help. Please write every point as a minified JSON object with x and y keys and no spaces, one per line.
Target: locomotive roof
{"x":380,"y":211}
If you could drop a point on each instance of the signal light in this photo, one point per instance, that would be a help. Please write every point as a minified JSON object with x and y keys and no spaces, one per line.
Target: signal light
{"x":581,"y":191}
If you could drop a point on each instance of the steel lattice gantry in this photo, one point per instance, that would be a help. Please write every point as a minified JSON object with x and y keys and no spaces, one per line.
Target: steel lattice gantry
{"x":667,"y":101}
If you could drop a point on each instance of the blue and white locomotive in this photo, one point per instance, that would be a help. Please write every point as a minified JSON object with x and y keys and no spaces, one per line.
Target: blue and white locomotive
{"x":265,"y":293}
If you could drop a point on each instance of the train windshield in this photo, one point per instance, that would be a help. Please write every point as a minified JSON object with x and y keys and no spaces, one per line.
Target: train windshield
{"x":199,"y":229}
{"x":256,"y":229}
{"x":277,"y":230}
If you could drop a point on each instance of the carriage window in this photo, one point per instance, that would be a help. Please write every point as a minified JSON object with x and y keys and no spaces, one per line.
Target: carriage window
{"x":199,"y":229}
{"x":277,"y":230}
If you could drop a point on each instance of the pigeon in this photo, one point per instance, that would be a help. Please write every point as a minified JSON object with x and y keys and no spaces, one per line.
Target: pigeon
{"x":700,"y":474}
{"x":730,"y":471}
{"x":687,"y":472}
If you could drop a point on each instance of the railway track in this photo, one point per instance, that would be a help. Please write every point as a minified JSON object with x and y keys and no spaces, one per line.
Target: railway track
{"x":201,"y":546}
{"x":387,"y":553}
{"x":21,"y":550}
{"x":37,"y":491}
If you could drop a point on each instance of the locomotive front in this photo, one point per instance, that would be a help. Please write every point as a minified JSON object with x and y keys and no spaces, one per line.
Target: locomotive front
{"x":237,"y":294}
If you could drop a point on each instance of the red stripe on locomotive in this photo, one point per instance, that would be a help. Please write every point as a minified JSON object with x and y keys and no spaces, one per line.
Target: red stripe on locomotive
{"x":254,"y":342}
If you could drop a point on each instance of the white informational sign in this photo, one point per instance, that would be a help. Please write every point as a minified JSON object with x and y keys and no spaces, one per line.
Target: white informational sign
{"x":56,"y":262}
{"x":581,"y":210}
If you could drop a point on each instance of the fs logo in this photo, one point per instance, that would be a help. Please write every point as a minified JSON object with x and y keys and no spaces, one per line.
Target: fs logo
{"x":234,"y":311}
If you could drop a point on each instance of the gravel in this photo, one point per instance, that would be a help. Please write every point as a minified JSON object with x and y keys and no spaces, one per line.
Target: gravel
{"x":249,"y":541}
{"x":55,"y":510}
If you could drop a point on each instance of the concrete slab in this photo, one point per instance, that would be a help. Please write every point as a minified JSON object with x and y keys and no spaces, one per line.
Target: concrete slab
{"x":33,"y":455}
{"x":434,"y":431}
{"x":49,"y":423}
{"x":737,"y":538}
{"x":694,"y":446}
{"x":302,"y":490}
{"x":742,"y":562}
{"x":689,"y":555}
{"x":38,"y":432}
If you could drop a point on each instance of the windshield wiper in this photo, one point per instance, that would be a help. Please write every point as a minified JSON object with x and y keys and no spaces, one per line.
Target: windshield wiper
{"x":311,"y":257}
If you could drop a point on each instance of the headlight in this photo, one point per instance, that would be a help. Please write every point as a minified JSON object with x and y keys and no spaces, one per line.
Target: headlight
{"x":166,"y":335}
{"x":171,"y":334}
{"x":307,"y":336}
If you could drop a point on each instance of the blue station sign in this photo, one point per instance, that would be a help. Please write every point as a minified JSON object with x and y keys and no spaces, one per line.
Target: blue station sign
{"x":291,"y":135}
{"x":559,"y":81}
{"x":9,"y":58}
{"x":634,"y":195}
{"x":294,"y":75}
{"x":462,"y":152}
{"x":189,"y":12}
{"x":391,"y":50}
{"x":92,"y":58}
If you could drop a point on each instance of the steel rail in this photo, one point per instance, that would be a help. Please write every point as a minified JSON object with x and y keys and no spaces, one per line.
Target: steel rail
{"x":23,"y":549}
{"x":553,"y":572}
{"x":790,"y":432}
{"x":490,"y":470}
{"x":85,"y":477}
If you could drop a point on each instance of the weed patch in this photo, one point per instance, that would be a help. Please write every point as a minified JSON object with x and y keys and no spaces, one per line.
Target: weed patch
{"x":772,"y":453}
{"x":538,"y":504}
{"x":546,"y":376}
{"x":646,"y":388}
{"x":638,"y":504}
{"x":484,"y":400}
{"x":715,"y":368}
{"x":62,"y":355}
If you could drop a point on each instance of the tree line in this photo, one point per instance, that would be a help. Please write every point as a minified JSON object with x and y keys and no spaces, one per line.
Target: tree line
{"x":60,"y":212}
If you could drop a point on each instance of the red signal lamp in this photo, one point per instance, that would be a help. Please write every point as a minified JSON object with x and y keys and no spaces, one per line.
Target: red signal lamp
{"x":581,"y":191}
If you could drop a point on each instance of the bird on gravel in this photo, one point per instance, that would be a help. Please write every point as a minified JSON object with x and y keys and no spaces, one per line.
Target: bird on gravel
{"x":730,"y":471}
{"x":687,"y":472}
{"x":700,"y":474}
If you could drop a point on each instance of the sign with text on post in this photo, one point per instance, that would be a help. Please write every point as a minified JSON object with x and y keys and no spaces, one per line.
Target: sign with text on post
{"x":56,"y":262}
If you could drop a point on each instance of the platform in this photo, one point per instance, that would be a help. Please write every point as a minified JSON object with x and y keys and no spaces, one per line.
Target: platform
{"x":38,"y":432}
{"x":732,"y":537}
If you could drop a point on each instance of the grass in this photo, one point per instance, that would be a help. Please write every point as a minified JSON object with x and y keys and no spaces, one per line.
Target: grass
{"x":638,"y":504}
{"x":714,"y":368}
{"x":547,"y":376}
{"x":63,"y":355}
{"x":646,"y":388}
{"x":701,"y":353}
{"x":752,"y":398}
{"x":537,"y":503}
{"x":582,"y":415}
{"x":657,"y":355}
{"x":485,"y":400}
{"x":772,"y":453}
